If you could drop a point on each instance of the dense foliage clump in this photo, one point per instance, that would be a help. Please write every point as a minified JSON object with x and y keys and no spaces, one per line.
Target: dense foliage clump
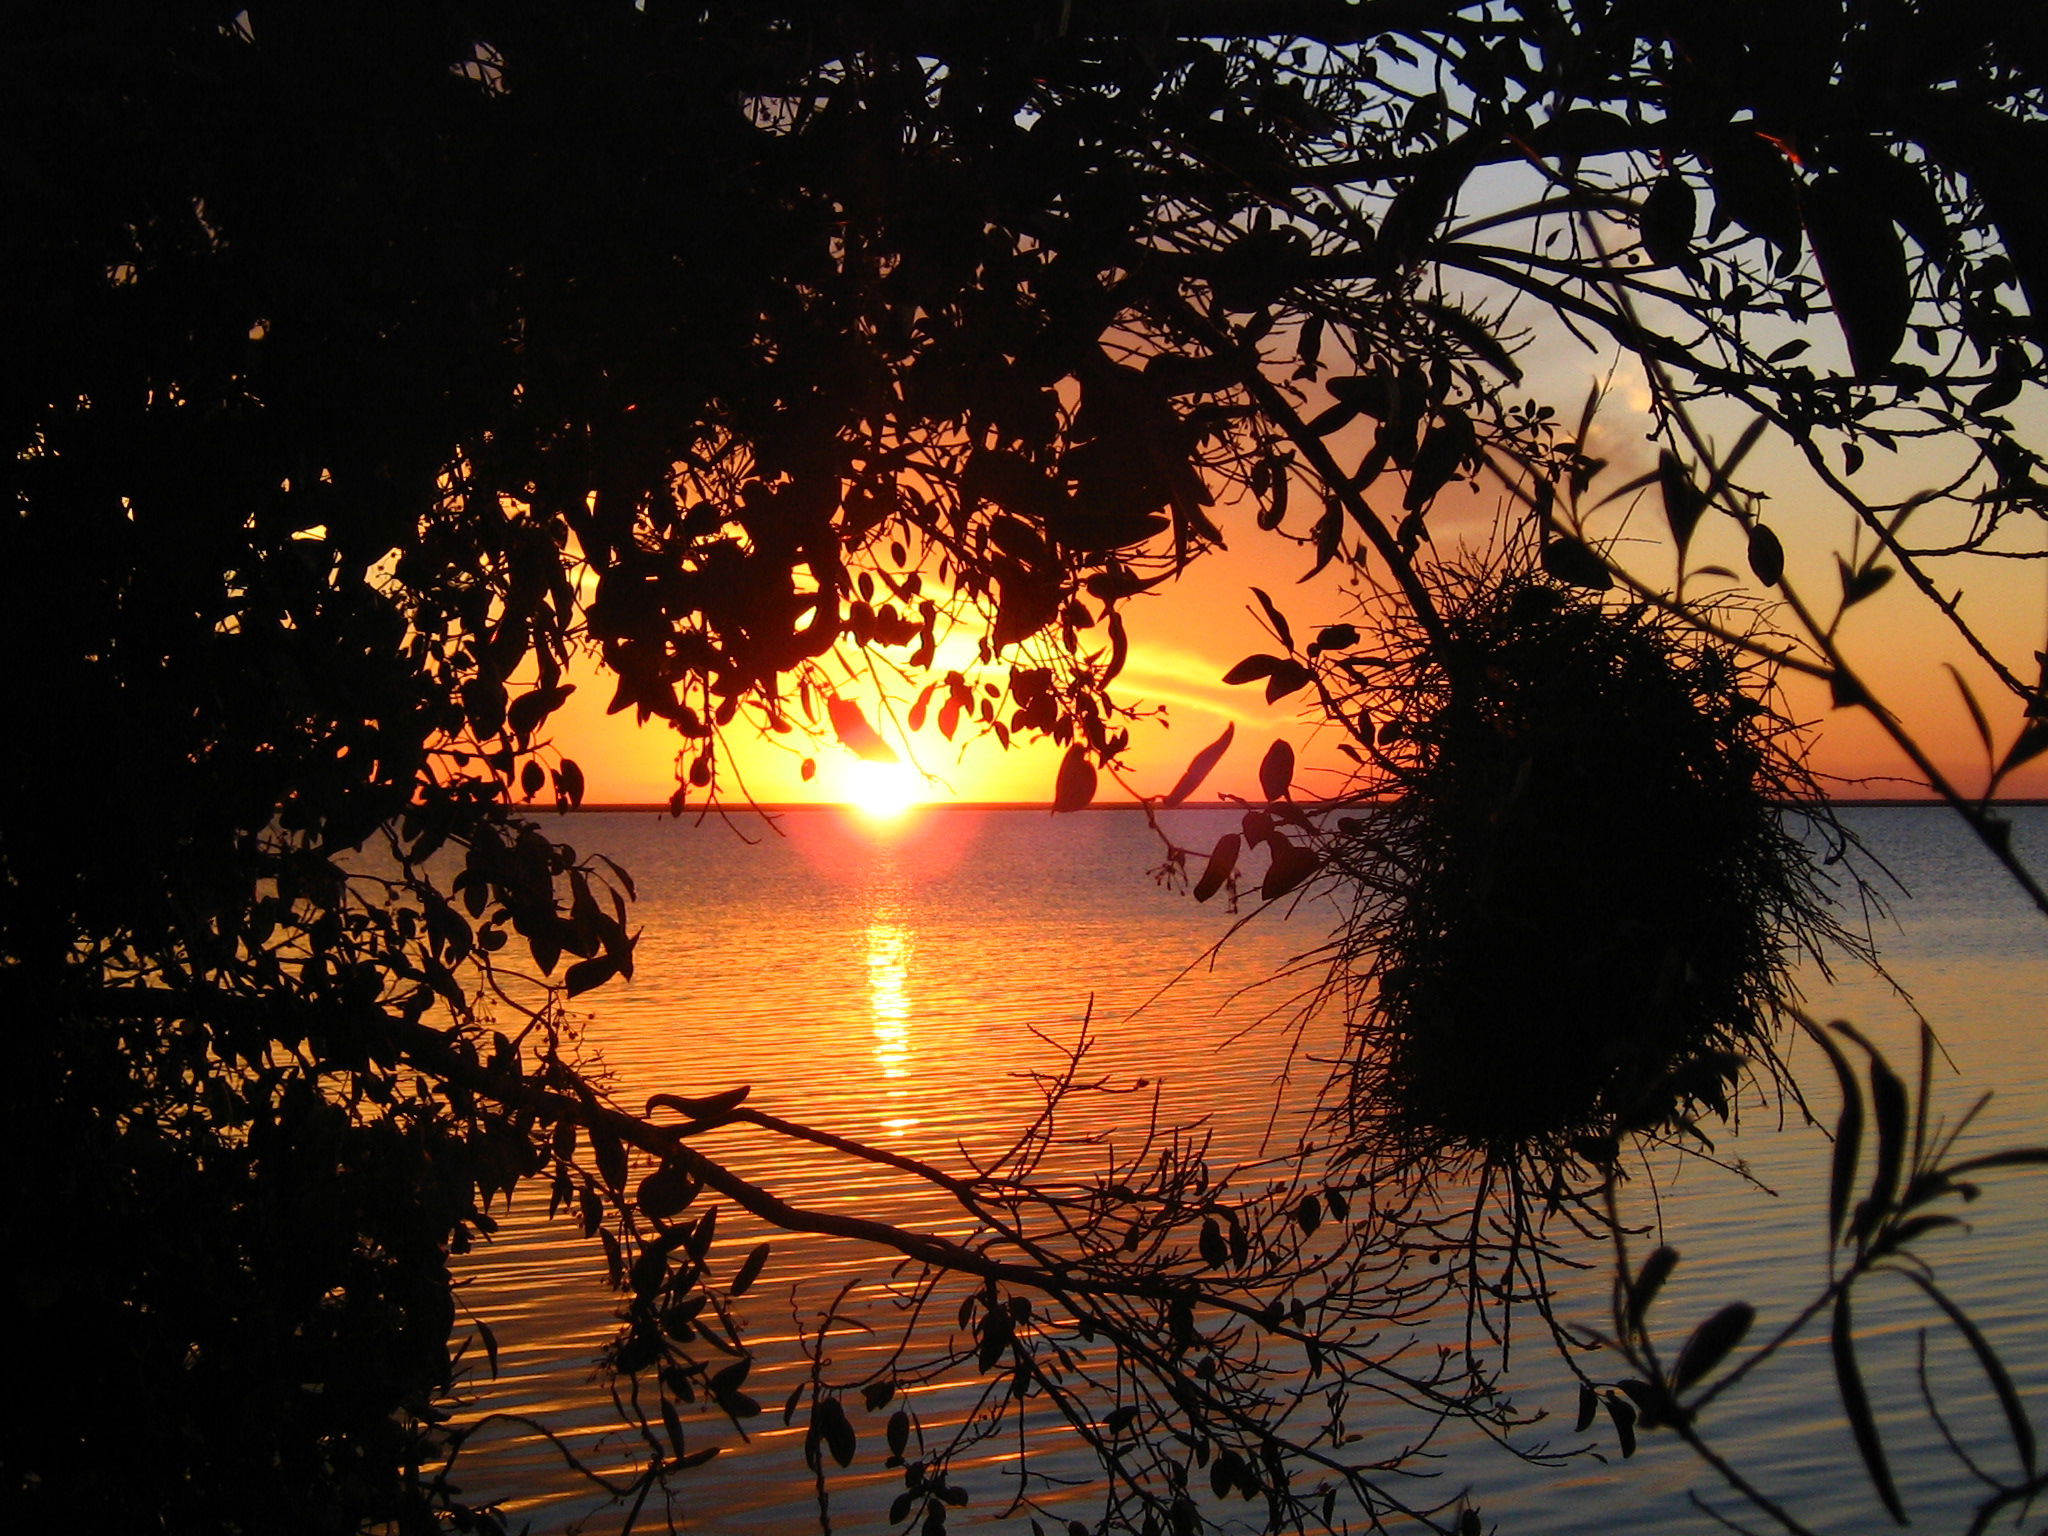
{"x":1580,"y":908}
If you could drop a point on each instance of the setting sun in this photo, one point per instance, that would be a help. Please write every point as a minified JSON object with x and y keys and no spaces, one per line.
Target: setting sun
{"x":881,"y":791}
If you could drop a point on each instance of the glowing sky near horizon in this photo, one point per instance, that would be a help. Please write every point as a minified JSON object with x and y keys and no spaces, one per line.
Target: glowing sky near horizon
{"x":1185,"y":636}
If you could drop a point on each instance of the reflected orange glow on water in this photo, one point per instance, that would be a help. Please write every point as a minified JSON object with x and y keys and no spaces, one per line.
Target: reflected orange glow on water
{"x":847,"y":846}
{"x":884,"y":982}
{"x":889,"y":949}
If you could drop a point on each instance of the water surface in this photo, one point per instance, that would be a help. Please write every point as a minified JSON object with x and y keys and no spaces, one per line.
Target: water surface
{"x":902,"y":986}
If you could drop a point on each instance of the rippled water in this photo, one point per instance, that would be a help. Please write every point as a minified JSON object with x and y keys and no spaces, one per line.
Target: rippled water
{"x":900,"y":985}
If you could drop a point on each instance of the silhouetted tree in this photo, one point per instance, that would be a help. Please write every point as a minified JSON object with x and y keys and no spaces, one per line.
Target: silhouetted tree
{"x":364,"y":363}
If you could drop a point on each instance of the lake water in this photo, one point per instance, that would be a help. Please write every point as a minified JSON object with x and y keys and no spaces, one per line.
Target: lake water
{"x":899,"y":985}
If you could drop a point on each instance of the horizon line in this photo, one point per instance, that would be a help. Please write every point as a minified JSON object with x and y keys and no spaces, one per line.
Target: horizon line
{"x":614,"y":807}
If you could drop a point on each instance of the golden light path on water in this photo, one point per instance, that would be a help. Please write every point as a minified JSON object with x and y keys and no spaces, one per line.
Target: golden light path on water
{"x":889,"y":947}
{"x":885,"y":980}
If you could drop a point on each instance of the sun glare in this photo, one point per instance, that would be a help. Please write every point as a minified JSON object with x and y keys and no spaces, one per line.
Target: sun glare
{"x":880,"y":791}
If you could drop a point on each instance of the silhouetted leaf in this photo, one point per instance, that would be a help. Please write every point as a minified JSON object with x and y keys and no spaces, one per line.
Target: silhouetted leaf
{"x":1711,"y":1343}
{"x":1848,"y":1132}
{"x":1856,"y":1405}
{"x":1976,"y":710}
{"x":668,"y":1190}
{"x":738,"y":1405}
{"x":1445,"y":449}
{"x":1276,"y":771}
{"x":830,"y":1425}
{"x":858,"y":737}
{"x":1336,"y":637}
{"x":611,"y":1156}
{"x":2016,"y":1157}
{"x":1666,"y":218}
{"x":1651,"y":1401}
{"x":569,"y":783}
{"x":1568,"y":560}
{"x":585,"y":974}
{"x":1588,"y":409}
{"x":2017,"y":1423}
{"x":1309,"y":1214}
{"x":1252,"y":668}
{"x":749,"y":1270}
{"x":1683,"y":500}
{"x":1889,"y":1117}
{"x":490,"y":1343}
{"x":1076,"y":785}
{"x":1327,"y":534}
{"x":1899,"y":189}
{"x":705,"y":1108}
{"x":1589,"y":1404}
{"x":1766,"y":555}
{"x":529,"y":709}
{"x":1755,"y":187}
{"x":1861,"y":582}
{"x":1199,"y":767}
{"x":1308,"y":350}
{"x":2003,"y":389}
{"x":1864,"y":263}
{"x":1222,"y":860}
{"x":1333,"y":418}
{"x":2031,"y":742}
{"x":1641,"y":482}
{"x":1476,"y":338}
{"x":1291,"y":865}
{"x":1893,"y":1239}
{"x":1119,"y":649}
{"x":1276,"y":618}
{"x":483,"y":703}
{"x":1623,"y":1413}
{"x":703,"y":1231}
{"x":1288,"y":677}
{"x":1223,"y":1472}
{"x":996,"y":1335}
{"x":1648,"y":1282}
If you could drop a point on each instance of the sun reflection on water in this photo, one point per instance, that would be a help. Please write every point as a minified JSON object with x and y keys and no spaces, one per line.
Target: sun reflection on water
{"x":889,"y":946}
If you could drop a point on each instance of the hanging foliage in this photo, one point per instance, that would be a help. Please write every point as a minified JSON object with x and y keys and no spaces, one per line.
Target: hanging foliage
{"x":1577,"y":914}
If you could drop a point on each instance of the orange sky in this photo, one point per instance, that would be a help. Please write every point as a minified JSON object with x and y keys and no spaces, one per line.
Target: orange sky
{"x":1184,"y":637}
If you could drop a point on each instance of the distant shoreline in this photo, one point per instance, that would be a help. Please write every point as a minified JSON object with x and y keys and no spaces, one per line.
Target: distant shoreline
{"x":780,"y":807}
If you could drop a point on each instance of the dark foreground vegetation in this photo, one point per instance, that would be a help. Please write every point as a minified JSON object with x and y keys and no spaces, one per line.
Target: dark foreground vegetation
{"x":366,"y":363}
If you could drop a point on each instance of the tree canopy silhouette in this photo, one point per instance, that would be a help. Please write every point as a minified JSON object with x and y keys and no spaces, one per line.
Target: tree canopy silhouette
{"x":367,"y":363}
